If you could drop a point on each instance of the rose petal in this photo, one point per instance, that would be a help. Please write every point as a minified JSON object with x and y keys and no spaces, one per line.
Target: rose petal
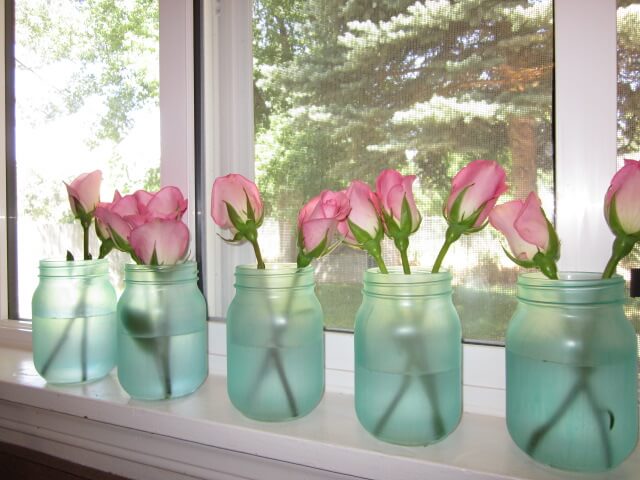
{"x":531,"y":223}
{"x":169,"y":239}
{"x":502,"y":218}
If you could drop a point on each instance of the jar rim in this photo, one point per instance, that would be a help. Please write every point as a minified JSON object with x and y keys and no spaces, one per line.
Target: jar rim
{"x":134,"y":267}
{"x":287,"y":268}
{"x":55,"y":263}
{"x":52,"y":268}
{"x":397,"y":276}
{"x":568,"y":279}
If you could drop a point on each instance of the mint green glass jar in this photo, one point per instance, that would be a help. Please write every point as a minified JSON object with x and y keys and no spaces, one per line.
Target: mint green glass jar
{"x":162,"y":331}
{"x":408,"y":352}
{"x":572,"y":372}
{"x":74,"y":321}
{"x":275,"y":343}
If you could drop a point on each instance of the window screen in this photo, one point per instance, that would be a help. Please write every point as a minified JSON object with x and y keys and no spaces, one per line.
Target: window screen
{"x":344,"y":89}
{"x":628,"y":26}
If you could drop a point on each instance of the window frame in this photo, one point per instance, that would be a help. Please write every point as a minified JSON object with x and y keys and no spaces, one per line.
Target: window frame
{"x":585,"y":113}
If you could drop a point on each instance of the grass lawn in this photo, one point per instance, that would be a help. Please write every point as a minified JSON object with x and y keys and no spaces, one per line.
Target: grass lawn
{"x":484,"y":314}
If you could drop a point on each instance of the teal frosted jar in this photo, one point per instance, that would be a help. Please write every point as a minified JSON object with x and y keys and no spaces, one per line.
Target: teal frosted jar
{"x":572,"y":372}
{"x":408,"y":352}
{"x":162,"y":331}
{"x":275,"y":343}
{"x":74,"y":321}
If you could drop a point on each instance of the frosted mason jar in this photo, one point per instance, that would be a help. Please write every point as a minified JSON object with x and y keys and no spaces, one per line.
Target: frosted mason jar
{"x":74,"y":321}
{"x":275,"y":343}
{"x":162,"y":331}
{"x":572,"y":372}
{"x":408,"y":355}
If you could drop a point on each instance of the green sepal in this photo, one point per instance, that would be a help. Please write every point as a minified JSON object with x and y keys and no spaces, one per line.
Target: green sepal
{"x":553,"y":249}
{"x":105,"y":247}
{"x":360,"y":234}
{"x":154,"y":257}
{"x":119,"y":242}
{"x":238,"y":237}
{"x":70,"y":256}
{"x":466,"y":224}
{"x":392,"y":227}
{"x":517,"y":261}
{"x":546,"y":264}
{"x":454,"y":213}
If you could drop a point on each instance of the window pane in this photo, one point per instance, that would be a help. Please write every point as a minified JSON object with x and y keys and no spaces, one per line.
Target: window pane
{"x":346,"y":89}
{"x":629,"y":116}
{"x":86,"y":87}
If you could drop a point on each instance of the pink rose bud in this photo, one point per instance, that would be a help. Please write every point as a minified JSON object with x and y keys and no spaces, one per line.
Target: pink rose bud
{"x":474,"y":192}
{"x":165,"y":241}
{"x":624,"y":195}
{"x":365,"y":213}
{"x":167,"y":204}
{"x":84,"y":193}
{"x":524,"y":225}
{"x":234,"y":191}
{"x":392,"y":189}
{"x":318,"y":220}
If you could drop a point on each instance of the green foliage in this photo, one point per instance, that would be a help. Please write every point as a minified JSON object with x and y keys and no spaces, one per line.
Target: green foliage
{"x":350,"y":88}
{"x":104,"y":44}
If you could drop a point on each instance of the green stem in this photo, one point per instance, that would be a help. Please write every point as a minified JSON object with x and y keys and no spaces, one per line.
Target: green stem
{"x":451,"y":236}
{"x":622,"y":247}
{"x":85,"y":231}
{"x":440,"y":258}
{"x":380,"y":262}
{"x":405,"y":262}
{"x":402,"y":244}
{"x":372,"y":247}
{"x":256,"y":249}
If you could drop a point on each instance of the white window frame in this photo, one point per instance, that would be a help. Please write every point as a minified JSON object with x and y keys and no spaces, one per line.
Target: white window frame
{"x":585,"y":123}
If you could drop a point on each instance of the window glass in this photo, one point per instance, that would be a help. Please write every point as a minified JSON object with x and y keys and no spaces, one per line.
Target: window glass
{"x":86,"y":98}
{"x":343,"y":90}
{"x":629,"y":116}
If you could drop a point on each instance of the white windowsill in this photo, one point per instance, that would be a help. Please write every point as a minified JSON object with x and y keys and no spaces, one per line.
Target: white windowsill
{"x":203,"y":436}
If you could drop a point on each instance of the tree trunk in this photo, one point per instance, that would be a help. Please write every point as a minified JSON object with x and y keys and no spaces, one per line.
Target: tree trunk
{"x":522,"y":141}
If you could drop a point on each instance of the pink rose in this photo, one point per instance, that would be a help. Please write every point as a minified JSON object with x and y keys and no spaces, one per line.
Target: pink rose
{"x":234,"y":191}
{"x":624,"y":194}
{"x":167,"y":204}
{"x":118,"y":219}
{"x":318,"y":220}
{"x":84,"y":193}
{"x":365,"y":213}
{"x":166,"y":240}
{"x":476,"y":189}
{"x":524,"y":226}
{"x":392,"y":188}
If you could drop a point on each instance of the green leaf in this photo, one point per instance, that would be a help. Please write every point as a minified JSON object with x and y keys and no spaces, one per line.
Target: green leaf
{"x":70,"y":256}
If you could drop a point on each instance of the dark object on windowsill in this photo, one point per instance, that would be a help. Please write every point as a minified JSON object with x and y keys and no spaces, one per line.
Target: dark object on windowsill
{"x":634,"y":286}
